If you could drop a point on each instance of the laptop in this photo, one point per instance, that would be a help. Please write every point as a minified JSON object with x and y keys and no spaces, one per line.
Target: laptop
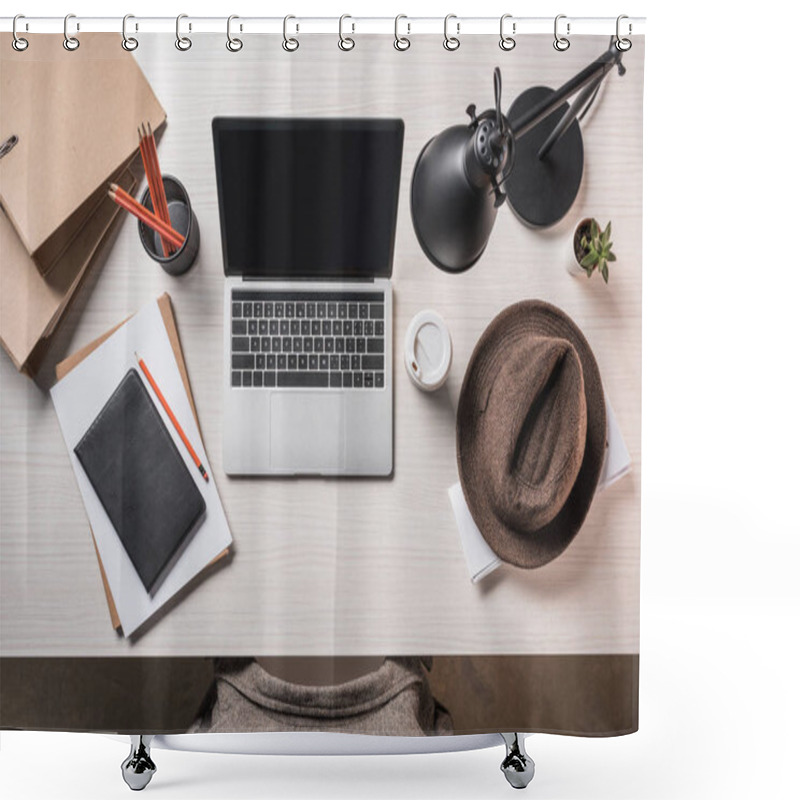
{"x":308,"y":211}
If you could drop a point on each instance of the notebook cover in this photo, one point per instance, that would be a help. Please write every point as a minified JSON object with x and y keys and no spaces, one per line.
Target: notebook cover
{"x":140,"y":478}
{"x":69,"y":363}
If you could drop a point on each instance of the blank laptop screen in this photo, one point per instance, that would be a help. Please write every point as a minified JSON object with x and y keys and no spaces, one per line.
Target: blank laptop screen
{"x":308,"y":198}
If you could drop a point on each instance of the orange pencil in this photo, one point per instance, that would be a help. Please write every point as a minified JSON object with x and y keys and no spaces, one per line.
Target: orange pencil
{"x":151,"y":182}
{"x":122,"y":198}
{"x":159,"y":180}
{"x":160,"y":205}
{"x":174,"y":421}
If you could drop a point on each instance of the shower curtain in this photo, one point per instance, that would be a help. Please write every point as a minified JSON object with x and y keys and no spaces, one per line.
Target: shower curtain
{"x":488,"y":579}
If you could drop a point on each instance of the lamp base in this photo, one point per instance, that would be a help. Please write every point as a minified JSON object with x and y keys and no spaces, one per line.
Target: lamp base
{"x":541,"y":191}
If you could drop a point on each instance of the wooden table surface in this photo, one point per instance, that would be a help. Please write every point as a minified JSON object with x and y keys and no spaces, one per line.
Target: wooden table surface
{"x":349,"y":567}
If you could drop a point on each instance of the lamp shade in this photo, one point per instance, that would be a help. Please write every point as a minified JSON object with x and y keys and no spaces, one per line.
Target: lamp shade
{"x":452,"y":205}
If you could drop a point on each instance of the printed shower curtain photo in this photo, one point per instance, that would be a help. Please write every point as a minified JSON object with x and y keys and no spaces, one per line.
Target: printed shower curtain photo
{"x":321,"y":397}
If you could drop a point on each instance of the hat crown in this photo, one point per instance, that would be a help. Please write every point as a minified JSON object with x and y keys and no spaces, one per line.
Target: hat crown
{"x":535,"y":416}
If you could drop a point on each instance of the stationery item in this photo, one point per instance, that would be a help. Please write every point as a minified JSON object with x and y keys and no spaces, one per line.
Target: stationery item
{"x":171,"y":416}
{"x":140,"y":478}
{"x":123,"y":199}
{"x":617,"y":462}
{"x":530,"y":432}
{"x":55,"y":219}
{"x":72,"y":144}
{"x":33,"y":304}
{"x":481,"y":559}
{"x":177,"y":260}
{"x":428,"y":351}
{"x":149,"y":170}
{"x":69,"y":363}
{"x":78,"y":399}
{"x":159,"y":182}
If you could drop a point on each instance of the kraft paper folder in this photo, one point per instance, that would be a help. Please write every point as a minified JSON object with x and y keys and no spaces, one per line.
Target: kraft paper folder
{"x":32,"y":304}
{"x":66,"y":366}
{"x":74,"y":117}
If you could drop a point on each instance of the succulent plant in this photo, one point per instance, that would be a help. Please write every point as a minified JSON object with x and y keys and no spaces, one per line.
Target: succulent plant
{"x":596,"y":249}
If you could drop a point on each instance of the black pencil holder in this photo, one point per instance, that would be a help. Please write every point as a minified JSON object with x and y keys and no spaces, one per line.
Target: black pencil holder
{"x":182,"y":219}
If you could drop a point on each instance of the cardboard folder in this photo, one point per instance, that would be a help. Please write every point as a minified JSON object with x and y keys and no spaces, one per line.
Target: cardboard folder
{"x":68,"y":364}
{"x":74,"y":116}
{"x":32,"y":304}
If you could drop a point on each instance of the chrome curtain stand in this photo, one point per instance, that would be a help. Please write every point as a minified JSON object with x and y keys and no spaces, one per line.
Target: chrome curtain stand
{"x":138,"y":768}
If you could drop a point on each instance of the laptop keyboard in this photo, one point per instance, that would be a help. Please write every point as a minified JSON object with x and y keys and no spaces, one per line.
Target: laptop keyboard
{"x":319,"y":340}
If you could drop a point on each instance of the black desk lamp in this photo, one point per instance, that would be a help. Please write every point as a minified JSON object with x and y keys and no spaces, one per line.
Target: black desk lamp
{"x":535,"y":154}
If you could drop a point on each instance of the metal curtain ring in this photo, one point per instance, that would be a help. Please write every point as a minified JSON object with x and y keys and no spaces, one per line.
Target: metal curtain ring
{"x":346,"y":42}
{"x":507,"y":42}
{"x":70,"y":42}
{"x":623,"y":45}
{"x":233,"y":44}
{"x":183,"y":43}
{"x":290,"y":44}
{"x":561,"y":43}
{"x":451,"y":42}
{"x":401,"y":42}
{"x":18,"y":43}
{"x":129,"y":43}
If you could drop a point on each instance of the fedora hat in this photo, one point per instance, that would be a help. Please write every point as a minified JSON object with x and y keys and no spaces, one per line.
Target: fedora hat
{"x":530,"y":432}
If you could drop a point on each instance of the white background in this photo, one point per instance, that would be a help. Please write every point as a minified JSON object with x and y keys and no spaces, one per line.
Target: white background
{"x":719,"y":699}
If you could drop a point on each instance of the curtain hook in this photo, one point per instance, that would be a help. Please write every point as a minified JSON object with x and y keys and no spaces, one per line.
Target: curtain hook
{"x":451,"y":42}
{"x":129,"y":43}
{"x":346,"y":42}
{"x":233,"y":44}
{"x":507,"y":42}
{"x":561,"y":43}
{"x":18,"y":43}
{"x":401,"y":42}
{"x":290,"y":44}
{"x":71,"y":43}
{"x":183,"y":43}
{"x":623,"y":45}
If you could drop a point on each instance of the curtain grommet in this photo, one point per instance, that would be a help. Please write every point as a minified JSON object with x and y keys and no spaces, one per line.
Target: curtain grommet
{"x":183,"y":43}
{"x":451,"y":43}
{"x":70,"y":43}
{"x":561,"y":43}
{"x":507,"y":43}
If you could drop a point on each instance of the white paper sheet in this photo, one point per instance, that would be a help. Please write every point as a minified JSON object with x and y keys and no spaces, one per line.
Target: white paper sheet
{"x":78,"y":398}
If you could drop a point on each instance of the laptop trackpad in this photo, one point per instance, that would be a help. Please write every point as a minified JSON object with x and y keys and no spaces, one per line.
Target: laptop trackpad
{"x":307,"y":432}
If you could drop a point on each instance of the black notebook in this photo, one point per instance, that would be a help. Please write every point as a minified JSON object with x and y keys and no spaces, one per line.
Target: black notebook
{"x":140,"y":478}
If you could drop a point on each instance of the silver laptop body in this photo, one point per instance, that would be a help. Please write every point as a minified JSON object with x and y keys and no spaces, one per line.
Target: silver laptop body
{"x":307,"y":362}
{"x":308,"y":430}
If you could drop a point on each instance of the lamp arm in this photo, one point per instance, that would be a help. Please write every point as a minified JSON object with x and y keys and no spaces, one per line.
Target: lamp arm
{"x":573,"y":111}
{"x":588,"y":76}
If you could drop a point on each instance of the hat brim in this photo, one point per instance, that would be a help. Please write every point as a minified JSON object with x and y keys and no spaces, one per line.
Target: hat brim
{"x":529,"y":318}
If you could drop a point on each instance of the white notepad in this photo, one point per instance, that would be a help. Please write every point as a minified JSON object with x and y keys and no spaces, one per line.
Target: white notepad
{"x":78,"y":398}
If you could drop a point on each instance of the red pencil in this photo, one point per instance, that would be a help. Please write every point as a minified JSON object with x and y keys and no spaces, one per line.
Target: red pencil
{"x":122,"y":198}
{"x":151,"y":182}
{"x":174,"y":421}
{"x":159,"y":180}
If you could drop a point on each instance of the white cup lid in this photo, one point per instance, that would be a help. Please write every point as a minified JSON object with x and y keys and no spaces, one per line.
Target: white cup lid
{"x":428,"y":350}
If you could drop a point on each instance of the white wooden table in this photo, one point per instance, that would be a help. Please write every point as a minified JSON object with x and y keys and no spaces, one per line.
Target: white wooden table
{"x":351,"y":567}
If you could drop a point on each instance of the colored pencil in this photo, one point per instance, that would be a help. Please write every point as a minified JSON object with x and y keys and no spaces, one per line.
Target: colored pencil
{"x":160,"y":203}
{"x":172,"y":417}
{"x":122,"y":198}
{"x":166,"y":248}
{"x":157,"y":176}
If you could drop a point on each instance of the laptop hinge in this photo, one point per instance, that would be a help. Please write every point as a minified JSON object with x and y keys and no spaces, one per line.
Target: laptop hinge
{"x":319,"y":279}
